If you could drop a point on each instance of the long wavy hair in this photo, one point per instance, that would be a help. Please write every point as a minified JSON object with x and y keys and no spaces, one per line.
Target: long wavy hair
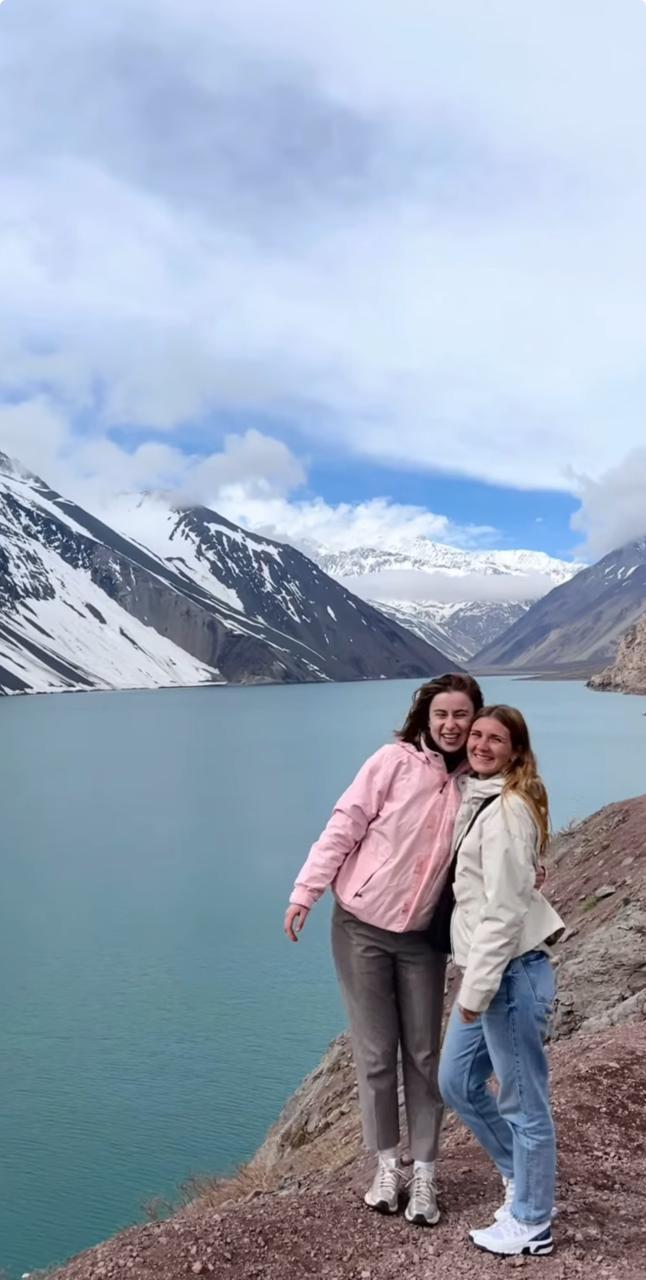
{"x":521,"y":775}
{"x":415,"y":725}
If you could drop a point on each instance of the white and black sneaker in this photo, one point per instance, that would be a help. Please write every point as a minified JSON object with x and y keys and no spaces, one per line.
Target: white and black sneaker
{"x":383,"y":1195}
{"x":510,"y":1238}
{"x":422,"y":1208}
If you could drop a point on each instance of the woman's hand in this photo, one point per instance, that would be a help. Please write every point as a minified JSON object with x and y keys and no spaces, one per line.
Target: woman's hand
{"x":541,"y":876}
{"x":467,"y":1015}
{"x":295,"y":918}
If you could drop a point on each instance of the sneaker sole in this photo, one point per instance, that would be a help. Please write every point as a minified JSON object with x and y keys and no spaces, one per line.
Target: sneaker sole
{"x":382,"y":1206}
{"x":542,"y":1251}
{"x":418,"y":1220}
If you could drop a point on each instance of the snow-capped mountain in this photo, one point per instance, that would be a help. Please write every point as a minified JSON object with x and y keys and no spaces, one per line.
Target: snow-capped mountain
{"x":62,"y":625}
{"x":460,"y":627}
{"x":579,"y":622}
{"x":427,"y":619}
{"x":83,"y":606}
{"x":424,"y":555}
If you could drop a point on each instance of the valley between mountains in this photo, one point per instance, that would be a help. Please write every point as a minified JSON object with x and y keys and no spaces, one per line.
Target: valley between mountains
{"x":168,"y":596}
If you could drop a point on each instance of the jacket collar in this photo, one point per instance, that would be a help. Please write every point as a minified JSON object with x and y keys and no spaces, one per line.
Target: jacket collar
{"x":433,"y":758}
{"x":472,"y":788}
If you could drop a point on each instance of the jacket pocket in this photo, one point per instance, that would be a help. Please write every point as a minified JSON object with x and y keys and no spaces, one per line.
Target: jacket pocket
{"x":371,"y":857}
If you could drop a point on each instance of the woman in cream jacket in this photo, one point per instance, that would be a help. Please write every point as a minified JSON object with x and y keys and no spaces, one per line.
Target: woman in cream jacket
{"x":500,"y":932}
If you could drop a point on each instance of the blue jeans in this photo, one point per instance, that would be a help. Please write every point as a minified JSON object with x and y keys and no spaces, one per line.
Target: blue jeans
{"x":516,"y":1127}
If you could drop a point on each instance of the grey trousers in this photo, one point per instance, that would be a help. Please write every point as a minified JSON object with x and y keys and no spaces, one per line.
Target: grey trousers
{"x":393,"y":989}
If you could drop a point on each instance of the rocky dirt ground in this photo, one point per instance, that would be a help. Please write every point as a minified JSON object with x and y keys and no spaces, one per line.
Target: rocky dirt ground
{"x":297,"y":1210}
{"x":320,"y":1227}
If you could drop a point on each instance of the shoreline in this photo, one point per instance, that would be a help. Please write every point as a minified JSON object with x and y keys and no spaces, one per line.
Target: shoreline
{"x":575,"y":677}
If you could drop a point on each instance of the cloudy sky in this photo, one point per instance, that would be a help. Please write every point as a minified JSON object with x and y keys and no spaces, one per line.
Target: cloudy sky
{"x":349,"y":272}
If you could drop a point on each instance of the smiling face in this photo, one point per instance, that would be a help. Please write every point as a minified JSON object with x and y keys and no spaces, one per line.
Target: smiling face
{"x":449,"y":720}
{"x":489,"y":749}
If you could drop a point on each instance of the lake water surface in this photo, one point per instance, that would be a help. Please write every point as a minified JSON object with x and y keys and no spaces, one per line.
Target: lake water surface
{"x":153,"y":1017}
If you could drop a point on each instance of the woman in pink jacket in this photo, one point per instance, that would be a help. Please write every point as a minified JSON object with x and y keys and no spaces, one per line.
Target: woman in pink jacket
{"x":386,"y":853}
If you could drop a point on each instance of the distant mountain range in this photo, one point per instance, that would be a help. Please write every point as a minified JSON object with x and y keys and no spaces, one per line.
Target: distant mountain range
{"x":84,"y":606}
{"x":460,"y":627}
{"x":425,"y":555}
{"x":581,"y":622}
{"x":166,"y":596}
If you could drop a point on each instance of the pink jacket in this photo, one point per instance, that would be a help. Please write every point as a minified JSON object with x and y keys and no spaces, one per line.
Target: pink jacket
{"x":387,"y":847}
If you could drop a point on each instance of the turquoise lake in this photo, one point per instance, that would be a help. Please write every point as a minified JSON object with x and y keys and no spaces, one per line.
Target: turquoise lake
{"x":153,"y":1016}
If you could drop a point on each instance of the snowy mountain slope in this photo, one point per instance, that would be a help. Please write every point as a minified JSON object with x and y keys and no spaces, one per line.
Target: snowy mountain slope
{"x":459,"y":627}
{"x":424,"y":555}
{"x":59,"y":628}
{"x":83,"y":606}
{"x":81,"y":638}
{"x":581,"y":621}
{"x":476,"y":622}
{"x":275,"y":586}
{"x":429,"y":620}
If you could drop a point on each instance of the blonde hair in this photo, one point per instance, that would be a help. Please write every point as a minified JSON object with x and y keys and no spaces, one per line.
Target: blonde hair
{"x":521,"y":775}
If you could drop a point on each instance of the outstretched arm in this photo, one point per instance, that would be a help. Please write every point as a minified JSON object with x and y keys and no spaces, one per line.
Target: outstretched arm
{"x":351,"y":817}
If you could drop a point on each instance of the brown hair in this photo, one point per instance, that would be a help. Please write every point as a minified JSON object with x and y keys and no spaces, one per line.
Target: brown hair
{"x":416,"y":722}
{"x":521,"y":774}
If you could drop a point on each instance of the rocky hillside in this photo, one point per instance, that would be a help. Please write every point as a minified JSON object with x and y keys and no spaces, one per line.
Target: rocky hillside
{"x":579,"y":622}
{"x":628,"y":673}
{"x":296,"y":1210}
{"x":83,"y":606}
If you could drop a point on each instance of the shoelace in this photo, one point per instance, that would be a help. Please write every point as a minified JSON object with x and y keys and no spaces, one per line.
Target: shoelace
{"x":389,"y":1178}
{"x":510,"y":1226}
{"x":423,"y":1189}
{"x":518,"y":1228}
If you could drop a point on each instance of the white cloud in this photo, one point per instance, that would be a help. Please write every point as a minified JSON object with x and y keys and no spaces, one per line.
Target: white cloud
{"x":251,"y":467}
{"x":35,"y":432}
{"x":416,"y":229}
{"x":613,"y":508}
{"x":254,"y":465}
{"x":253,"y":479}
{"x":446,"y":588}
{"x":312,"y":522}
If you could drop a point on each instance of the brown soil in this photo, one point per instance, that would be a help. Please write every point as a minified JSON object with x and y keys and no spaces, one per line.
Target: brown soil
{"x":320,"y":1228}
{"x":297,"y":1210}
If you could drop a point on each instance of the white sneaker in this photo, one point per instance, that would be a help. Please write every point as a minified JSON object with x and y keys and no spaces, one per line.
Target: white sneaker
{"x":383,"y":1195}
{"x":509,"y":1238}
{"x":422,"y":1208}
{"x":505,"y":1208}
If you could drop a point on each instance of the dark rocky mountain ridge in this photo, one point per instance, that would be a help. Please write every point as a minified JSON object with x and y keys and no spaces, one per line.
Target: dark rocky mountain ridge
{"x":84,"y":606}
{"x":580,"y":622}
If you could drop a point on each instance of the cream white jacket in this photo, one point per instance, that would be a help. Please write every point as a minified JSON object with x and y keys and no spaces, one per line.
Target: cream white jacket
{"x":498,"y":915}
